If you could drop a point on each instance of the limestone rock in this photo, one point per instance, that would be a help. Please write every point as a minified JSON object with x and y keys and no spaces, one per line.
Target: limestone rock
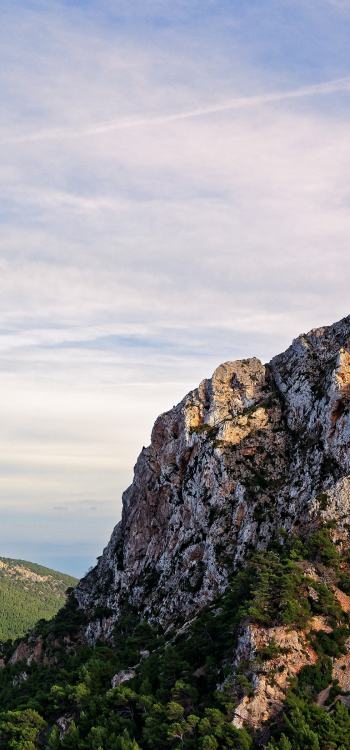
{"x":124,"y":676}
{"x":253,"y":449}
{"x":271,"y":679}
{"x":63,"y":723}
{"x":19,"y":679}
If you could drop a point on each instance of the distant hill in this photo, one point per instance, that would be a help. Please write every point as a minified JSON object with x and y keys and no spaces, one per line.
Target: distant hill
{"x":28,"y":593}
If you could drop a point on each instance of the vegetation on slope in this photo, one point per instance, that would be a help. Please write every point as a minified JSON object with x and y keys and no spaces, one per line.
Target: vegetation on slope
{"x":184,"y":692}
{"x":28,"y":593}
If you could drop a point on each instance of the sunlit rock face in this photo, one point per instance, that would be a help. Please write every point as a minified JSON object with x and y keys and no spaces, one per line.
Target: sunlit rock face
{"x":254,"y":449}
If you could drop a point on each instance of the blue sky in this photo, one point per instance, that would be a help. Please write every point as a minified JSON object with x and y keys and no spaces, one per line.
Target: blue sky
{"x":174,"y":186}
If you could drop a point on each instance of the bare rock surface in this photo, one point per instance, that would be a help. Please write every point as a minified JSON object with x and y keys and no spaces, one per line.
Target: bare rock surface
{"x":271,"y":677}
{"x":123,"y":676}
{"x":255,"y":448}
{"x":63,"y":724}
{"x":341,"y":670}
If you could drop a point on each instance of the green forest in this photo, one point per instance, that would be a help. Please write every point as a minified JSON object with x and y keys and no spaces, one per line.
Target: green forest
{"x":28,"y":593}
{"x":183,"y":696}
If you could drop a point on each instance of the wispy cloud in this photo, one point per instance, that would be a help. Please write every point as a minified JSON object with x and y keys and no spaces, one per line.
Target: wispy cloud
{"x":239,"y":103}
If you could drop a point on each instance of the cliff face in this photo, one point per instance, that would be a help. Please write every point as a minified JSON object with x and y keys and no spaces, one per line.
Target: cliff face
{"x":255,"y":449}
{"x":257,"y":454}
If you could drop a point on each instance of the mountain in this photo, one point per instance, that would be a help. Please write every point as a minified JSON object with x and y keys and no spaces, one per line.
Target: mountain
{"x":249,"y":452}
{"x":217,"y":617}
{"x":28,"y":593}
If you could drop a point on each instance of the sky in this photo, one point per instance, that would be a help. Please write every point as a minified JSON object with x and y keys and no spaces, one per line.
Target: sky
{"x":175,"y":191}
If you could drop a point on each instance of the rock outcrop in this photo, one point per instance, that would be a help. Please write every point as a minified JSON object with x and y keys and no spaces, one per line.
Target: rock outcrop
{"x":254,"y":449}
{"x":256,"y":458}
{"x":270,"y":680}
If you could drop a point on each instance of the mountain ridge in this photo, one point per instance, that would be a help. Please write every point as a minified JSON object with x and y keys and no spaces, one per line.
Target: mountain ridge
{"x":218,"y":615}
{"x":28,"y":592}
{"x":248,"y":428}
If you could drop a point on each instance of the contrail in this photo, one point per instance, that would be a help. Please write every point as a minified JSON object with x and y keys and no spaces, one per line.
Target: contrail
{"x":244,"y":102}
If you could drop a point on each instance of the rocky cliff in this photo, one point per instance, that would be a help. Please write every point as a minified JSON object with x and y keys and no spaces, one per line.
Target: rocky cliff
{"x":218,"y":615}
{"x":253,"y":450}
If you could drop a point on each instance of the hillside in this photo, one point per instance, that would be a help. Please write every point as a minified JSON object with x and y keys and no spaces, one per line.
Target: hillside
{"x":217,"y":617}
{"x":28,"y":593}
